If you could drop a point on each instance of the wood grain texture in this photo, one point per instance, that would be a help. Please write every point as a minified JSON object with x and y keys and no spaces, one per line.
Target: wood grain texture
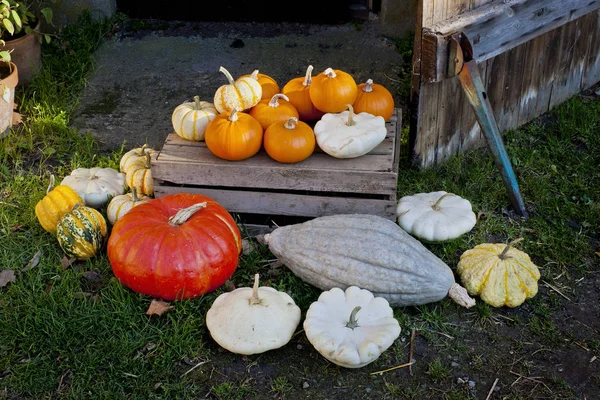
{"x":522,"y":83}
{"x":497,"y":27}
{"x":319,"y":185}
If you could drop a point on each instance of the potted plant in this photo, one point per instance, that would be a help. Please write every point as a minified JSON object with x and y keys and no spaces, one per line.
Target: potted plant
{"x":20,"y":34}
{"x":9,"y":78}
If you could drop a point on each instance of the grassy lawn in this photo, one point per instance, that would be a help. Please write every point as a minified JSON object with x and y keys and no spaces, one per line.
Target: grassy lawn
{"x":75,"y":332}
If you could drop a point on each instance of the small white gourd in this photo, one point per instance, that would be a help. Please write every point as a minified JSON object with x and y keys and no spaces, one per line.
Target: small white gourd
{"x":96,"y":186}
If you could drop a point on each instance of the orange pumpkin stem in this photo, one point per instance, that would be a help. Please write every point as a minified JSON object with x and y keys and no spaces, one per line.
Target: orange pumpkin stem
{"x":274,"y":100}
{"x":185,"y":213}
{"x":291,"y":123}
{"x":254,"y":299}
{"x":233,"y":114}
{"x":308,"y":76}
{"x":197,"y":105}
{"x":227,"y":75}
{"x":351,"y":120}
{"x":330,"y":73}
{"x":368,"y":87}
{"x":503,"y":255}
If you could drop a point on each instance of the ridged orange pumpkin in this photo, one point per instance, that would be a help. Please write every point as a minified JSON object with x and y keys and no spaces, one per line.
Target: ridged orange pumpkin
{"x":179,"y":246}
{"x":298,"y":91}
{"x":276,"y":109}
{"x":243,"y":93}
{"x":289,"y":142}
{"x":374,"y":99}
{"x":332,"y":90}
{"x":235,"y":136}
{"x":269,"y":86}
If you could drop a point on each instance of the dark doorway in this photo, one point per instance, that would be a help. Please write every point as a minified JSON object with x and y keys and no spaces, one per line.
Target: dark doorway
{"x":307,"y":11}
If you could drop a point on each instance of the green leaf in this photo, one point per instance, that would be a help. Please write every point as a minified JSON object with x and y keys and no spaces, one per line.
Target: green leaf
{"x":6,"y":3}
{"x":5,"y":56}
{"x":9,"y":26}
{"x":47,"y":38}
{"x":47,"y":13}
{"x":17,"y":19}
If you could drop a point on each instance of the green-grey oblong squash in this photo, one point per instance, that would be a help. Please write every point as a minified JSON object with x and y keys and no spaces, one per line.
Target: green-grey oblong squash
{"x":81,"y":232}
{"x":367,"y":251}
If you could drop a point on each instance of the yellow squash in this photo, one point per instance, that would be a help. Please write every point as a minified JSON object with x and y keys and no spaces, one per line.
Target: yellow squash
{"x":57,"y":202}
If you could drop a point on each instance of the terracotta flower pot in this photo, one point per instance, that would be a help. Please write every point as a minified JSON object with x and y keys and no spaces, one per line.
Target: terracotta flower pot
{"x":9,"y":78}
{"x":26,"y":54}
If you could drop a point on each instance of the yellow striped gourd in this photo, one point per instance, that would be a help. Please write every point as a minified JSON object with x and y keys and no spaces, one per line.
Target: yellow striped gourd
{"x":190,"y":119}
{"x":243,"y":93}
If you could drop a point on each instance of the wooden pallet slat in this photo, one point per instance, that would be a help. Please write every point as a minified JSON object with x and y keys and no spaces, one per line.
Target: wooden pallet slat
{"x":319,"y":185}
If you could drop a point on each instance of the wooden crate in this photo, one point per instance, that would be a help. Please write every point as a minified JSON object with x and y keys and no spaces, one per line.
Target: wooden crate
{"x":320,"y":185}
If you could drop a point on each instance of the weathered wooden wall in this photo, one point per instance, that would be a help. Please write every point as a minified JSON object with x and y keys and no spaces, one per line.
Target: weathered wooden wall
{"x":521,"y":83}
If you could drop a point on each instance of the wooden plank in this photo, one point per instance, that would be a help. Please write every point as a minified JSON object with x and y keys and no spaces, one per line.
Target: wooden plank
{"x":592,"y":64}
{"x":498,"y":27}
{"x":287,"y":203}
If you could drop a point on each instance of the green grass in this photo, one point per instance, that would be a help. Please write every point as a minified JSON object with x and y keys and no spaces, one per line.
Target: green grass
{"x":62,"y":336}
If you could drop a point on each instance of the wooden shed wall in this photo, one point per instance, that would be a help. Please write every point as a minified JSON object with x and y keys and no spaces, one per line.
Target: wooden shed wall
{"x":521,"y":83}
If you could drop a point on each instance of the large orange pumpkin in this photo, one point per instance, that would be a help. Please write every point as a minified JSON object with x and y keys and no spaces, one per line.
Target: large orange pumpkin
{"x":178,"y":246}
{"x":276,"y":109}
{"x":298,"y":91}
{"x":332,"y":90}
{"x":235,"y":136}
{"x":268,"y":84}
{"x":289,"y":142}
{"x":374,"y":99}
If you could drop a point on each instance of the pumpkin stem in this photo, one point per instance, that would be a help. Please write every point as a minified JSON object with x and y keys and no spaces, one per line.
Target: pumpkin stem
{"x":503,"y":255}
{"x":227,"y":75}
{"x":351,"y":120}
{"x":437,"y":204}
{"x":143,"y":149}
{"x":134,"y":197}
{"x":291,"y":123}
{"x":353,"y":323}
{"x":308,"y":76}
{"x":254,"y":74}
{"x":185,"y":213}
{"x":274,"y":100}
{"x":233,"y":114}
{"x":460,"y":295}
{"x":197,"y":105}
{"x":254,"y":299}
{"x":148,"y":160}
{"x":51,"y":184}
{"x":368,"y":88}
{"x":330,"y":73}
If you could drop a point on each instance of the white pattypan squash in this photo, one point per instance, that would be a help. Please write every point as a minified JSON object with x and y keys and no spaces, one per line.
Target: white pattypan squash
{"x":436,"y":216}
{"x":349,"y":135}
{"x":351,"y":328}
{"x":253,"y":320}
{"x":96,"y":185}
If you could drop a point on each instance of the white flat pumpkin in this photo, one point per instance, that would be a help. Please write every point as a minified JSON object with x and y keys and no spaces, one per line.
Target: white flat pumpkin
{"x":253,"y":320}
{"x":349,"y":135}
{"x":435,"y":216}
{"x":351,"y":328}
{"x":96,"y":186}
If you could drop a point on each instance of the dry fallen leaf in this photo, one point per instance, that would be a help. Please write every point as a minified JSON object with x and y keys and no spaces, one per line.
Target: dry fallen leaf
{"x":35,"y":260}
{"x":16,"y":118}
{"x":598,"y":253}
{"x":6,"y":276}
{"x":158,"y":307}
{"x":229,"y":286}
{"x":66,"y":262}
{"x":15,"y":228}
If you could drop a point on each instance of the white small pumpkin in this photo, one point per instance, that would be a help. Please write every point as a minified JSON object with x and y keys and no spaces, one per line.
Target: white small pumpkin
{"x":134,"y":154}
{"x":121,"y":204}
{"x":139,"y":175}
{"x":253,"y":320}
{"x":435,"y":216}
{"x":349,"y":135}
{"x":96,"y":186}
{"x":351,"y":328}
{"x":190,"y":119}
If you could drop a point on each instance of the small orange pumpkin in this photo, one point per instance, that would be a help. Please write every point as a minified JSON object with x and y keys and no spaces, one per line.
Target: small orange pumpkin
{"x":298,"y":91}
{"x":242,"y":93}
{"x":289,"y":142}
{"x":374,"y":99}
{"x":276,"y":109}
{"x":270,"y":87}
{"x":235,"y":136}
{"x":332,"y":90}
